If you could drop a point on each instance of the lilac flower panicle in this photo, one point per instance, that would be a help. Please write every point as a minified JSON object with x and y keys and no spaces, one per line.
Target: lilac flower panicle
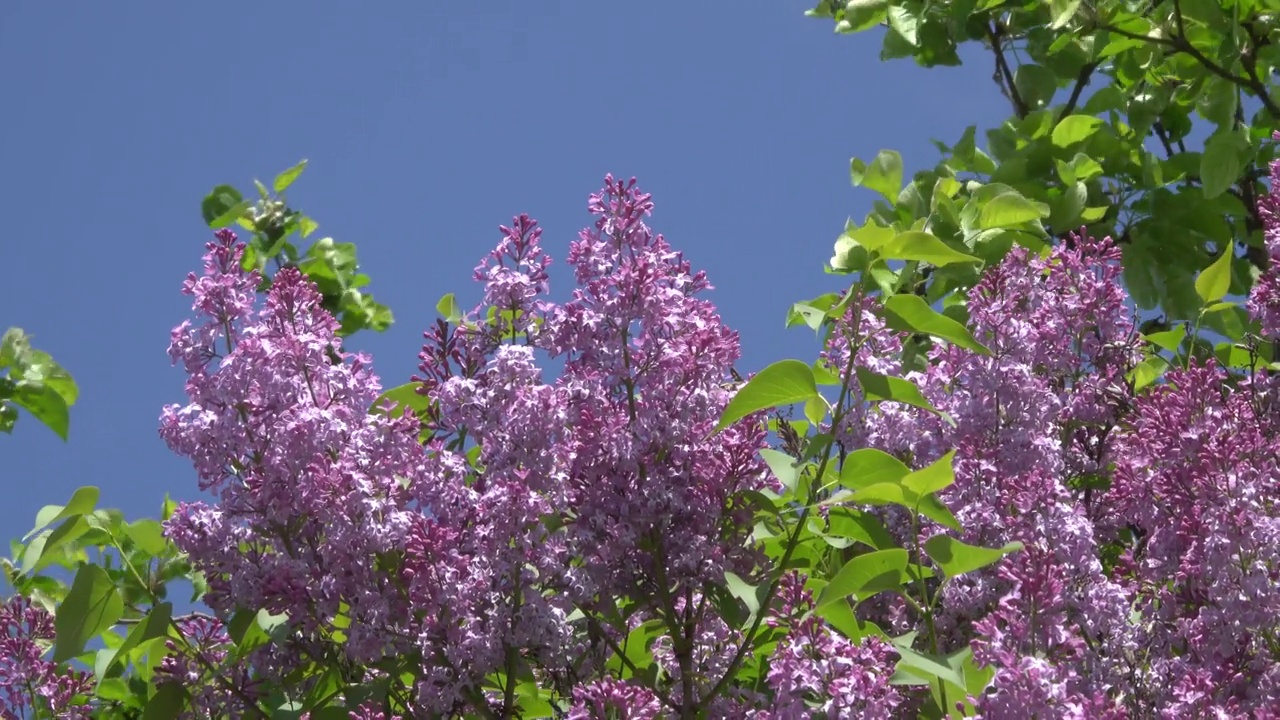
{"x":312,"y":493}
{"x":1264,"y":298}
{"x":29,"y":682}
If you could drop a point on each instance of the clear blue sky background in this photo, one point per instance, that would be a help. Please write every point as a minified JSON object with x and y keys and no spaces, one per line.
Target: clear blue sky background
{"x":427,"y":124}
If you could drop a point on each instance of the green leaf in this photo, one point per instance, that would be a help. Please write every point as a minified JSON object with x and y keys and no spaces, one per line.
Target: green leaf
{"x":1147,"y":372}
{"x":82,"y":502}
{"x":884,"y":387}
{"x":931,"y":507}
{"x":866,"y":575}
{"x":14,"y":347}
{"x":868,"y":466}
{"x":840,"y":616}
{"x":933,"y":478}
{"x":847,"y":523}
{"x":1170,"y":340}
{"x":909,"y":313}
{"x":167,"y":703}
{"x":45,"y":404}
{"x":43,"y":547}
{"x":884,"y":493}
{"x":957,"y":558}
{"x":1073,"y":129}
{"x":926,"y":666}
{"x":923,"y":247}
{"x":92,"y":605}
{"x":782,"y":383}
{"x":783,"y":466}
{"x":1035,"y":84}
{"x":1062,"y":12}
{"x":1082,"y":168}
{"x":219,"y":203}
{"x":884,"y":174}
{"x":286,"y":178}
{"x":40,"y":367}
{"x":1213,"y":282}
{"x":449,"y":310}
{"x":306,"y":226}
{"x":745,"y":592}
{"x":154,"y":625}
{"x":1010,"y":209}
{"x":1223,"y":162}
{"x":904,"y":22}
{"x":147,"y":534}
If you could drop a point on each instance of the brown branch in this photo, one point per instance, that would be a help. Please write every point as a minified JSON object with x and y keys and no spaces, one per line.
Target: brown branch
{"x":1082,"y":80}
{"x":1004,"y":76}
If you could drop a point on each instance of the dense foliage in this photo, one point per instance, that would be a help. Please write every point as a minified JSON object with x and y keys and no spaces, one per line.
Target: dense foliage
{"x":1149,"y":121}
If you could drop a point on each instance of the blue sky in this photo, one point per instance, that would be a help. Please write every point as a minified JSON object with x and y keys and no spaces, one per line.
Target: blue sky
{"x":426,"y":125}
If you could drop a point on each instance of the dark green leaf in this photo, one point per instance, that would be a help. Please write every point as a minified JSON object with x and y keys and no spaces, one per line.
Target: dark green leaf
{"x":1223,"y":162}
{"x":219,"y":203}
{"x":167,"y":703}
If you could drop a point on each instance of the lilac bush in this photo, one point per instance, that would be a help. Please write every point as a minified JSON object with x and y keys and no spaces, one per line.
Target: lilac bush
{"x":579,"y":510}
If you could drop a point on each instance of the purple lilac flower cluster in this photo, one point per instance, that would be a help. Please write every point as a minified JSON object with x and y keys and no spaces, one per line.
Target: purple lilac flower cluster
{"x":1027,"y":420}
{"x":1147,"y":586}
{"x":218,"y":689}
{"x":29,"y":682}
{"x":443,"y":549}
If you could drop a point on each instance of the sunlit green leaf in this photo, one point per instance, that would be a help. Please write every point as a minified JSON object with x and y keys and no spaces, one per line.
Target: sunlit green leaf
{"x":957,"y":558}
{"x":876,"y":387}
{"x":1073,"y":129}
{"x":286,"y":178}
{"x":884,"y":174}
{"x":933,"y":477}
{"x":92,"y":605}
{"x":868,"y":466}
{"x":866,"y":575}
{"x":909,"y":313}
{"x":1214,"y":281}
{"x":782,"y":383}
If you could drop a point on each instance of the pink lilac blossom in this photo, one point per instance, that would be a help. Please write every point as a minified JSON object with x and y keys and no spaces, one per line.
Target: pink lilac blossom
{"x":1264,"y":298}
{"x":612,"y":699}
{"x":1030,"y":417}
{"x":645,"y":362}
{"x":816,"y":672}
{"x":217,"y":688}
{"x":30,"y":685}
{"x":442,"y":548}
{"x":1198,"y":479}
